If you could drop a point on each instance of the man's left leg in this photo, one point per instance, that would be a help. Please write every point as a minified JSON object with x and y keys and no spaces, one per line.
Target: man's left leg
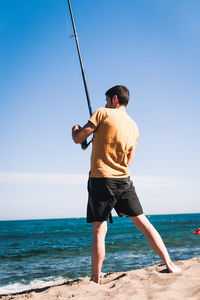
{"x":98,"y":248}
{"x":155,"y":241}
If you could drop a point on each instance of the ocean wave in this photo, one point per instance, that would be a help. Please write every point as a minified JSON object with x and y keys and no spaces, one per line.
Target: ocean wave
{"x":34,"y":284}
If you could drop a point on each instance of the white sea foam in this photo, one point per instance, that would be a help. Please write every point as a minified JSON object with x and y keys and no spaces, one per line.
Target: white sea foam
{"x":34,"y":284}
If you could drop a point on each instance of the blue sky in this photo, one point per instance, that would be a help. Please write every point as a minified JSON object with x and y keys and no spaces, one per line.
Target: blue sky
{"x":152,"y":47}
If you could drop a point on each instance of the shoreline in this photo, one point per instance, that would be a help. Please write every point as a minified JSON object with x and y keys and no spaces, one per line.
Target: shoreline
{"x":148,"y":283}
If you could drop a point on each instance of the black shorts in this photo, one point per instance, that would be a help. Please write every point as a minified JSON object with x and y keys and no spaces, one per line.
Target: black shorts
{"x":108,"y":193}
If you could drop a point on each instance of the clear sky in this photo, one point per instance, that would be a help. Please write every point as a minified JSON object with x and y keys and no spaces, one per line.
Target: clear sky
{"x":151,"y":46}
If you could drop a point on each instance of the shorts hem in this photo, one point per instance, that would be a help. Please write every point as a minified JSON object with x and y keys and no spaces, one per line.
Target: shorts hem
{"x":129,"y":216}
{"x":92,"y":221}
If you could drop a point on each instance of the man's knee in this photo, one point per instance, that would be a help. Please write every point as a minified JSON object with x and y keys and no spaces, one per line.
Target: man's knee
{"x":141,"y":222}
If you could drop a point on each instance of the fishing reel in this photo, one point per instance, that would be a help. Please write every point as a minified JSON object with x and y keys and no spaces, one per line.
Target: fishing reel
{"x":85,"y":144}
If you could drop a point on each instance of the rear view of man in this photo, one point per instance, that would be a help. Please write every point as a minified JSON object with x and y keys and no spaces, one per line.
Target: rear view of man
{"x":109,"y":184}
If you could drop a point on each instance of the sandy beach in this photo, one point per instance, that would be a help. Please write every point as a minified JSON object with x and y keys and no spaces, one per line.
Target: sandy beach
{"x":149,"y":283}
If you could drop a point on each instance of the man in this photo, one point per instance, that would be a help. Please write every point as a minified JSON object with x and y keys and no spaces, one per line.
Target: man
{"x":109,"y":183}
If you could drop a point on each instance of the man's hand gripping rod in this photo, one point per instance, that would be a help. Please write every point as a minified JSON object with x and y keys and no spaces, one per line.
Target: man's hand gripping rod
{"x":84,"y":145}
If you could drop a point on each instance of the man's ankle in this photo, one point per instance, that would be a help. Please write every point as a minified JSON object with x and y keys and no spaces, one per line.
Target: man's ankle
{"x":95,"y":279}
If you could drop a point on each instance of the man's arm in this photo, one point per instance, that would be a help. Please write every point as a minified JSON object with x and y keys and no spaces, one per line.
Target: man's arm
{"x":130,"y":157}
{"x":80,"y":134}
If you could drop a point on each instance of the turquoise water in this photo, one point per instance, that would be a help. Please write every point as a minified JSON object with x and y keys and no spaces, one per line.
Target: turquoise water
{"x":43,"y":252}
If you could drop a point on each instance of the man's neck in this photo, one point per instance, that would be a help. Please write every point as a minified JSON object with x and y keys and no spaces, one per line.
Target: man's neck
{"x":122,"y":107}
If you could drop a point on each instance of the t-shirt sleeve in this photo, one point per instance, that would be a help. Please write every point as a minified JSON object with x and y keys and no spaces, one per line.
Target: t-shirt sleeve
{"x":98,"y":116}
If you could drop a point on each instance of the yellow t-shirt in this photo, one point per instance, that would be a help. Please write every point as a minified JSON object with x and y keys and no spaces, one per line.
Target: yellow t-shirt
{"x":116,"y":135}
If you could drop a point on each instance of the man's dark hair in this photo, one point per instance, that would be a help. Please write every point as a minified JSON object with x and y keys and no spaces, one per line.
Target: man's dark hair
{"x":121,"y":92}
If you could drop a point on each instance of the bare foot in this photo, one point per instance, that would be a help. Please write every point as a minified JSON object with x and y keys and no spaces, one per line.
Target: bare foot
{"x":173,"y":268}
{"x":94,"y":279}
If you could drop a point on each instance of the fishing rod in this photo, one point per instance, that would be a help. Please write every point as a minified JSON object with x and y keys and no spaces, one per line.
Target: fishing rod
{"x":85,"y":144}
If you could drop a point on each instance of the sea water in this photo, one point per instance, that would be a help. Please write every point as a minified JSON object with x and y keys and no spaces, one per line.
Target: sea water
{"x":38,"y":253}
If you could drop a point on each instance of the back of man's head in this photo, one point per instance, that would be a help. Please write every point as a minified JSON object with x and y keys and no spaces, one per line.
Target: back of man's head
{"x":121,"y":92}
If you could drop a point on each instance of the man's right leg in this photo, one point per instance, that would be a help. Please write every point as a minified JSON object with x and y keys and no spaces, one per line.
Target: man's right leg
{"x":98,"y":248}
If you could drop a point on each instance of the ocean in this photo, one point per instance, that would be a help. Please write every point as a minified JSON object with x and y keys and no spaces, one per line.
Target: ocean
{"x":38,"y":253}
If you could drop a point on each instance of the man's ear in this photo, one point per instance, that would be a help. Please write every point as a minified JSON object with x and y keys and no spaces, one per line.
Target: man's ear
{"x":115,"y":100}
